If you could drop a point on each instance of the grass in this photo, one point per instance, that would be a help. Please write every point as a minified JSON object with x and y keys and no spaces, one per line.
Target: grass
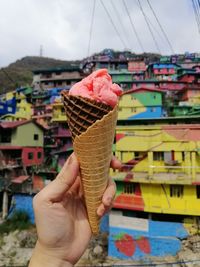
{"x":19,"y":221}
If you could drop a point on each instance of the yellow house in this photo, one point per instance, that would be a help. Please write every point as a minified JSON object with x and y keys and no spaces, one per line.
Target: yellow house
{"x":23,"y":109}
{"x":58,"y":112}
{"x":161,"y":171}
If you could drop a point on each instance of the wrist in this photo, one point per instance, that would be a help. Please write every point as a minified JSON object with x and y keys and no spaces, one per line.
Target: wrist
{"x":45,"y":257}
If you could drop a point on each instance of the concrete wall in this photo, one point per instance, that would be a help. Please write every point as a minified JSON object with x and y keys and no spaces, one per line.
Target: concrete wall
{"x":136,"y":238}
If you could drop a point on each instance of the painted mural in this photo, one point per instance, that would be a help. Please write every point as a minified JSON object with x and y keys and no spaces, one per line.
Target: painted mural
{"x":135,"y":238}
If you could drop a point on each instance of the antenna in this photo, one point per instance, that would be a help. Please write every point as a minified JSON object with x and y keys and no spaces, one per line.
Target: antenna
{"x":41,"y":50}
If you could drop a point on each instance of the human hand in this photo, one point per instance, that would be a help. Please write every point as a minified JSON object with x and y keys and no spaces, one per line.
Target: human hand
{"x":61,"y":218}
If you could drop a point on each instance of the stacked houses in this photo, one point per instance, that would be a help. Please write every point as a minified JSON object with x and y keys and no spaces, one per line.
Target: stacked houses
{"x":157,"y":139}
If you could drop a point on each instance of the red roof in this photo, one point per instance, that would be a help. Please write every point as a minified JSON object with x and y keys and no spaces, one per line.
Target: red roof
{"x":20,"y":179}
{"x":142,"y":89}
{"x":12,"y":124}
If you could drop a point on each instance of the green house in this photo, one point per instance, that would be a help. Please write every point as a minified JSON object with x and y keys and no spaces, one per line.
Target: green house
{"x":21,"y":133}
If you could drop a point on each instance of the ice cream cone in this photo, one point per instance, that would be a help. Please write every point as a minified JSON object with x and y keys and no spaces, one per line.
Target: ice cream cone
{"x":92,"y":125}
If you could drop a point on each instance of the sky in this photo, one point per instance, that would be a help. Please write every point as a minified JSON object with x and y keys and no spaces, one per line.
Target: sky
{"x":63,"y":27}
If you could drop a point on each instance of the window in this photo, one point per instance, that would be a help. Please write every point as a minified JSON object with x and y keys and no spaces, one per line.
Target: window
{"x":39,"y":155}
{"x":183,"y":156}
{"x":30,"y":155}
{"x":158,"y":156}
{"x":129,"y":188}
{"x":134,"y":110}
{"x":137,"y":155}
{"x":36,"y":137}
{"x":176,"y":191}
{"x":10,"y":109}
{"x":198,"y":191}
{"x":6,"y":136}
{"x":153,"y":109}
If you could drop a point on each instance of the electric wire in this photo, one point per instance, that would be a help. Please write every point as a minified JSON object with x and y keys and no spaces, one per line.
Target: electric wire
{"x":161,"y":28}
{"x":149,"y":27}
{"x":91,"y":27}
{"x":111,"y":20}
{"x":133,"y":27}
{"x":197,"y":10}
{"x":196,"y":15}
{"x":120,"y":21}
{"x":155,"y":30}
{"x":197,"y":3}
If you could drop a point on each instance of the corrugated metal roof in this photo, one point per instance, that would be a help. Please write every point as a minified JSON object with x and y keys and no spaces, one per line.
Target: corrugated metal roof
{"x":20,"y":179}
{"x":12,"y":124}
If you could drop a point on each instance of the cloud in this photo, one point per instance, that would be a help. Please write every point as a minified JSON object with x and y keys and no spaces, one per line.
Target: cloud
{"x":62,"y":27}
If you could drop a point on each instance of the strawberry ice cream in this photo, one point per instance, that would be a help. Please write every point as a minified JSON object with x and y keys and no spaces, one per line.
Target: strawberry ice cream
{"x":98,"y":86}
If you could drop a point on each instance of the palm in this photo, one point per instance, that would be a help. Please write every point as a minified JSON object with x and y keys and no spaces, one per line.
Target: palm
{"x":65,"y":222}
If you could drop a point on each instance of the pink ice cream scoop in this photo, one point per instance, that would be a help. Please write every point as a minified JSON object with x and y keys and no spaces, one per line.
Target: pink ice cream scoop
{"x":98,"y":86}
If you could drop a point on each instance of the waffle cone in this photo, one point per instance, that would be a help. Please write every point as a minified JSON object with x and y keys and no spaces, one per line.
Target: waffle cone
{"x":93,"y":148}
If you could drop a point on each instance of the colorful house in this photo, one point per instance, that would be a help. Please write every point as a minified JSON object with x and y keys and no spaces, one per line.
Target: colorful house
{"x":159,"y":180}
{"x":57,"y":77}
{"x":167,"y":71}
{"x":23,"y":107}
{"x":21,"y":133}
{"x":58,"y":112}
{"x":158,"y":194}
{"x":140,"y":103}
{"x":7,"y":104}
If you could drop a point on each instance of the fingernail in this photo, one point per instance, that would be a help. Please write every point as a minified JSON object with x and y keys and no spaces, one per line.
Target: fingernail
{"x":70,"y":160}
{"x":100,"y":212}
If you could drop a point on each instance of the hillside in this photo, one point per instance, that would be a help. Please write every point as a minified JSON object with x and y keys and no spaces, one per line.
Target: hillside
{"x":19,"y":73}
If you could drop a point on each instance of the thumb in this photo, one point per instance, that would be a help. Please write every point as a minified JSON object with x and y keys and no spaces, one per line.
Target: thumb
{"x":64,"y":180}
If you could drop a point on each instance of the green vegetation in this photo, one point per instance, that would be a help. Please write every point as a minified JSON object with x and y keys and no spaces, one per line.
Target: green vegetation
{"x":20,"y":73}
{"x":19,"y":221}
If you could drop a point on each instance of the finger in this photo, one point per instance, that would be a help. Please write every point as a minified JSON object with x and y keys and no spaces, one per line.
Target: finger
{"x":76,"y":188}
{"x":102,"y":210}
{"x":109,"y":193}
{"x":107,"y":199}
{"x":115,"y":163}
{"x":64,"y":180}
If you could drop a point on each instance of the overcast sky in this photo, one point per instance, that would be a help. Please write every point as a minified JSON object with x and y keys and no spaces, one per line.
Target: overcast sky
{"x":62,"y":27}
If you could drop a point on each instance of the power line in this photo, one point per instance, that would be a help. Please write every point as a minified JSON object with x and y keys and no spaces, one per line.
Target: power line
{"x":91,"y":27}
{"x":196,"y":15}
{"x":163,"y":31}
{"x":133,"y":27}
{"x":109,"y":16}
{"x":120,"y":21}
{"x":154,"y":28}
{"x":198,"y":6}
{"x":197,"y":11}
{"x":151,"y":32}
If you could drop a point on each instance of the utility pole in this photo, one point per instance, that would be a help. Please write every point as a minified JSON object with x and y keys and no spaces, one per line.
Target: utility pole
{"x":41,"y":50}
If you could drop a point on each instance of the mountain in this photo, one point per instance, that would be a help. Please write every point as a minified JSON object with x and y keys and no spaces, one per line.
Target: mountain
{"x":19,"y":73}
